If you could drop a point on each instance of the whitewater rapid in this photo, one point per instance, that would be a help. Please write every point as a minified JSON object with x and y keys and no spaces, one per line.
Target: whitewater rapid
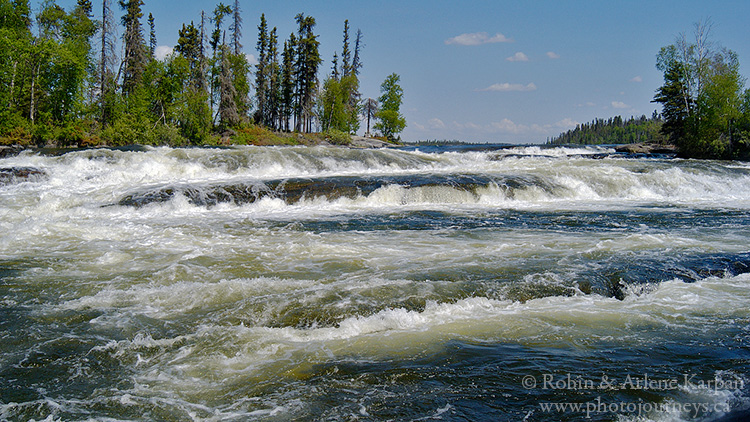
{"x":319,"y":283}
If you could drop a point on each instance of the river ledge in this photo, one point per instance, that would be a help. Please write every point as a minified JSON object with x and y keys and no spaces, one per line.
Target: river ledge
{"x":355,"y":142}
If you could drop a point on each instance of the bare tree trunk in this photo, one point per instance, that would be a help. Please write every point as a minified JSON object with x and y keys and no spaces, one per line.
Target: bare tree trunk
{"x":12,"y":83}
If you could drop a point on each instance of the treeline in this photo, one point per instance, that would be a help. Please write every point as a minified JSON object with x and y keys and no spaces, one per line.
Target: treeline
{"x":66,"y":85}
{"x":614,"y":130}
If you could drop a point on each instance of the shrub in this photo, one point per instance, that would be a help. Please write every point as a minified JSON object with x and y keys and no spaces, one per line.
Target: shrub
{"x":337,"y":137}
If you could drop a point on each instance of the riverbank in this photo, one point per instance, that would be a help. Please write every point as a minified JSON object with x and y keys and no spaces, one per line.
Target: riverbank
{"x":354,"y":141}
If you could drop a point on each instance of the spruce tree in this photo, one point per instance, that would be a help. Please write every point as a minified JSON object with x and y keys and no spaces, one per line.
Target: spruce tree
{"x":107,"y":79}
{"x":261,"y":79}
{"x":306,"y":69}
{"x":287,"y":82}
{"x":236,"y":28}
{"x":228,"y":113}
{"x":135,"y":59}
{"x":152,"y":35}
{"x":346,"y":67}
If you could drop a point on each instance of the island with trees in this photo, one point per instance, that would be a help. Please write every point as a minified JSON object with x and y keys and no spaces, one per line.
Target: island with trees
{"x":614,"y":130}
{"x":66,"y":86}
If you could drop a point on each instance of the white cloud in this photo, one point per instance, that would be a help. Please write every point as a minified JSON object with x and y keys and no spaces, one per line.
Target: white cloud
{"x":508,"y":87}
{"x":436,"y":124}
{"x":251,"y":60}
{"x":477,"y":38}
{"x":518,"y":57}
{"x":508,"y":126}
{"x":567,"y":123}
{"x":637,"y":79}
{"x":553,"y":55}
{"x":619,"y":104}
{"x":468,"y":125}
{"x":161,"y":52}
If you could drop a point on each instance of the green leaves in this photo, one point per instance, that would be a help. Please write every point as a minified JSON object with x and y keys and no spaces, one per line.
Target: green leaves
{"x":391,"y":121}
{"x":702,"y":97}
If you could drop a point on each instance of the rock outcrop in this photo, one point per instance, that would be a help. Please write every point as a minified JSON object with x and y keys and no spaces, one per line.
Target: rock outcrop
{"x":11,"y":175}
{"x":363,"y":142}
{"x":646,"y":148}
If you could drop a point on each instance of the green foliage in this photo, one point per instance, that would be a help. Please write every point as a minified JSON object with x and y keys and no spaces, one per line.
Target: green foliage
{"x":56,"y":88}
{"x":337,"y":137}
{"x":306,"y":72}
{"x":14,"y":130}
{"x":338,"y":107}
{"x":165,"y":134}
{"x":240,"y":70}
{"x":391,"y":121}
{"x":126,"y":130}
{"x":702,"y":98}
{"x":252,"y":134}
{"x":615,"y":130}
{"x":136,"y":52}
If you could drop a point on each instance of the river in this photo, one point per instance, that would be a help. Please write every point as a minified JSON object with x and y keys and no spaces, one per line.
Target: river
{"x":464,"y":283}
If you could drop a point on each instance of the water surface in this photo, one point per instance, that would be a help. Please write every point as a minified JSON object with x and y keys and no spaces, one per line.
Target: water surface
{"x":298,"y":283}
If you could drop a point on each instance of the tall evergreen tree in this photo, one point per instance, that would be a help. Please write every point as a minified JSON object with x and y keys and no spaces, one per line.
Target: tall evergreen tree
{"x":306,"y":69}
{"x":675,"y":105}
{"x":261,"y":73}
{"x":356,"y":62}
{"x":220,"y":12}
{"x":135,"y":59}
{"x":346,"y":65}
{"x":273,"y":74}
{"x":151,"y":35}
{"x":236,"y":28}
{"x":228,"y":112}
{"x":218,"y":38}
{"x":287,"y":82}
{"x":195,"y":115}
{"x":189,"y":47}
{"x":107,"y":78}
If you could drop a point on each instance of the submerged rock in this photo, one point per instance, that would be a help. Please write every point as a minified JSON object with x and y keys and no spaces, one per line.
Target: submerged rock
{"x":9,"y":151}
{"x":295,"y":190}
{"x":11,"y":175}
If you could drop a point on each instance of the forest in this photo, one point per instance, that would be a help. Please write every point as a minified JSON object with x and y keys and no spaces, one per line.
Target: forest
{"x":63,"y":84}
{"x":614,"y":130}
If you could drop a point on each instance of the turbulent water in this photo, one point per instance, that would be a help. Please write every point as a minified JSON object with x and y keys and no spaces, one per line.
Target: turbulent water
{"x":465,"y":283}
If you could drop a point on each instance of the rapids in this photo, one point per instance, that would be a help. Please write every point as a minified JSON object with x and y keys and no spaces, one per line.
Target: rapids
{"x":421,"y":283}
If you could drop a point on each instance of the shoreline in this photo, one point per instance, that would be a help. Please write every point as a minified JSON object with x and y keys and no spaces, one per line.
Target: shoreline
{"x":356,"y":142}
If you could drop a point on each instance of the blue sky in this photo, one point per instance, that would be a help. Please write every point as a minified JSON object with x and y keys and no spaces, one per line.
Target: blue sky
{"x":493,"y":71}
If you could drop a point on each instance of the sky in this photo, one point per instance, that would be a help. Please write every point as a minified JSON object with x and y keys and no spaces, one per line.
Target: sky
{"x":491,"y":71}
